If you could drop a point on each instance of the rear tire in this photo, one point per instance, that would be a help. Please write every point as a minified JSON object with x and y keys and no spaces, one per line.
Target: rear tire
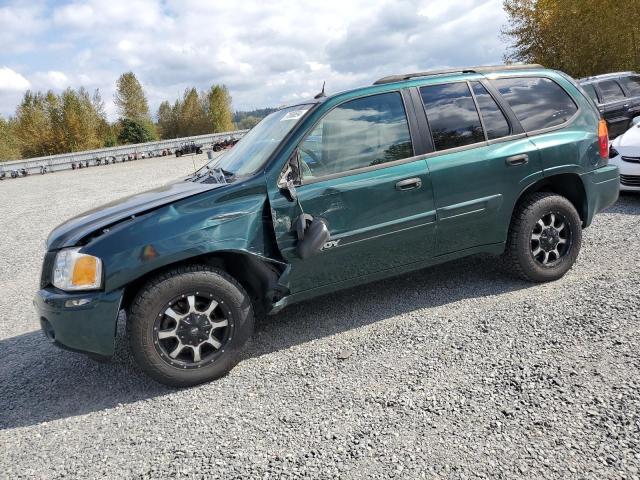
{"x":188,"y":325}
{"x":544,"y":238}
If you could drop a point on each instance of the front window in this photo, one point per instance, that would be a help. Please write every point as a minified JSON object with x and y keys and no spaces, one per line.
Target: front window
{"x":360,"y":133}
{"x":253,"y":150}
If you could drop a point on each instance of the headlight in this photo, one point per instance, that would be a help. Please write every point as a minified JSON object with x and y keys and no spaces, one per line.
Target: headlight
{"x":73,"y":270}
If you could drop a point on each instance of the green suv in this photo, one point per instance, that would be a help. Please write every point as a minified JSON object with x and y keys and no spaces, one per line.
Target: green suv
{"x":412,"y":171}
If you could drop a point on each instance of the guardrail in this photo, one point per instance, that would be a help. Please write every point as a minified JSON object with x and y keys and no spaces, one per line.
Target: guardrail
{"x":64,"y":161}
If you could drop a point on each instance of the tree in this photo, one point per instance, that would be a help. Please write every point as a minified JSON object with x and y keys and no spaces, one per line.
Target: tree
{"x":248,"y":122}
{"x":135,"y":131}
{"x":130,"y":98}
{"x":218,"y":108}
{"x":33,"y":124}
{"x":168,"y":119}
{"x":192,"y":119}
{"x":9,"y":147}
{"x":580,"y":37}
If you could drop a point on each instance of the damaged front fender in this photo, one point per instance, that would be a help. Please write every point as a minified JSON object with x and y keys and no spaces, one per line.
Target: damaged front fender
{"x":233,"y":219}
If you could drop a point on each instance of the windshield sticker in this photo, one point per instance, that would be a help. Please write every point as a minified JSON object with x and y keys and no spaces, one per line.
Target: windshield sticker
{"x":294,"y":115}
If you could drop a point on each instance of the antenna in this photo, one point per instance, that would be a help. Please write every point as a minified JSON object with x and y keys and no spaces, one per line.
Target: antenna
{"x":321,"y":94}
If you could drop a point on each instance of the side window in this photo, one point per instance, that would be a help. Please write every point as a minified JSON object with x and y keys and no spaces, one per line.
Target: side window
{"x":537,"y":102}
{"x":591,"y":91}
{"x":495,"y":123}
{"x":359,"y":133}
{"x":632,"y":84}
{"x":452,"y":115}
{"x":611,"y":91}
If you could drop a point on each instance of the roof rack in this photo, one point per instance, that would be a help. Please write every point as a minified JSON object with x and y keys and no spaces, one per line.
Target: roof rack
{"x":429,"y":73}
{"x":605,"y":75}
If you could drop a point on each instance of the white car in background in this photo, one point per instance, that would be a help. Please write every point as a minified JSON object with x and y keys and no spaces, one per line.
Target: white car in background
{"x":627,"y":157}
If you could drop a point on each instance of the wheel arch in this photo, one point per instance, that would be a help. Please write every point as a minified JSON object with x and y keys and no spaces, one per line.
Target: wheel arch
{"x":569,"y":185}
{"x":258,"y":275}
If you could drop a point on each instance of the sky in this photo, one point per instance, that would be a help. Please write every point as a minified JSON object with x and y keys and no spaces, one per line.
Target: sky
{"x":267,"y":52}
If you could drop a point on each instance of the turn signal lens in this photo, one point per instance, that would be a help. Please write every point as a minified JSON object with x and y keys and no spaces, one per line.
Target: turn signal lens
{"x":603,"y":139}
{"x":77,"y":271}
{"x":84,"y":271}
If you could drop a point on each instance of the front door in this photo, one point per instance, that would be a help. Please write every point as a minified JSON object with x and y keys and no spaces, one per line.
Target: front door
{"x":360,"y":175}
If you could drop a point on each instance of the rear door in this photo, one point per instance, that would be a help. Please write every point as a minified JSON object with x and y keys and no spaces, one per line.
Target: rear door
{"x":361,"y":174}
{"x":480,"y":163}
{"x":615,"y":106}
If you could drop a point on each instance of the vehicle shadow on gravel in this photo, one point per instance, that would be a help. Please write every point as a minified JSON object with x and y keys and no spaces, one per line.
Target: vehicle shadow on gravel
{"x":40,"y":383}
{"x":474,"y":277}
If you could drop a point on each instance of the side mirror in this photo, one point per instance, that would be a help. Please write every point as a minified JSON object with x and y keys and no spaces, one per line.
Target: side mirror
{"x":635,"y":121}
{"x":315,"y":236}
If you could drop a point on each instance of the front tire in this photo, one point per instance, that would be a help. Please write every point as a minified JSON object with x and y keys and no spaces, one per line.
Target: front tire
{"x":188,"y":325}
{"x":544,"y":238}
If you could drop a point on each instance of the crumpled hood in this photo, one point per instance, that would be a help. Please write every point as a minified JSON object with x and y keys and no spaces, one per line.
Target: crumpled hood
{"x":72,"y":231}
{"x":628,"y":144}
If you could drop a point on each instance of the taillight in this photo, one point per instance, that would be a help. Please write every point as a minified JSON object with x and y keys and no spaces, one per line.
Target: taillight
{"x":603,"y":139}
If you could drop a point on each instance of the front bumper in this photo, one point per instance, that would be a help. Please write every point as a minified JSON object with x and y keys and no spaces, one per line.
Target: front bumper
{"x":602,"y":187}
{"x":629,"y":174}
{"x":88,"y":328}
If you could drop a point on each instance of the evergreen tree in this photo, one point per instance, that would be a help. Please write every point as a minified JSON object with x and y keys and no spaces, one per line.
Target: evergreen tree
{"x":134,"y":131}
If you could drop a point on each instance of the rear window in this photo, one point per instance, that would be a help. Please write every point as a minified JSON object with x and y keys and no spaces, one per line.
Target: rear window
{"x":632,"y":84}
{"x":495,"y":123}
{"x":537,"y":102}
{"x":611,"y":91}
{"x":452,"y":115}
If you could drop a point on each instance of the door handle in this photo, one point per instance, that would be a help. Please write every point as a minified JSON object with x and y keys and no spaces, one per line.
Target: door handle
{"x":408,"y":184}
{"x":518,"y":160}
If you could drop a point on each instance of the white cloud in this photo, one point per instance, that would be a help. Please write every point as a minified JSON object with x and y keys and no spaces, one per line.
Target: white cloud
{"x":12,"y":81}
{"x":267,"y":53}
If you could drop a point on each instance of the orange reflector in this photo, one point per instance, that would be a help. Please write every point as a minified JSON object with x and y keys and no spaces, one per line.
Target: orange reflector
{"x":85,"y":271}
{"x":603,"y":139}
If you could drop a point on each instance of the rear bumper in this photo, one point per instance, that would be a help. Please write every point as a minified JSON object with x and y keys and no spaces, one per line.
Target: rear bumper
{"x":602,"y":187}
{"x":87,"y":328}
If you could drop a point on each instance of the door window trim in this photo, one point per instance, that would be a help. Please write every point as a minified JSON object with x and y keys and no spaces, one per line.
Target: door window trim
{"x":484,"y":129}
{"x":410,"y":125}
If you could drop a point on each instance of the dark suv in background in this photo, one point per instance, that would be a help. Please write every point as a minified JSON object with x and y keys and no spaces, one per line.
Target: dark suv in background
{"x":618,"y":98}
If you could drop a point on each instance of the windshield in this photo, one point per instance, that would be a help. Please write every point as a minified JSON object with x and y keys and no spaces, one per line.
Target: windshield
{"x":250,"y":153}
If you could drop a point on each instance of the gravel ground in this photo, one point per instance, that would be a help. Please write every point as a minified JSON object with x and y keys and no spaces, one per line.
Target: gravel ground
{"x":453,"y":372}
